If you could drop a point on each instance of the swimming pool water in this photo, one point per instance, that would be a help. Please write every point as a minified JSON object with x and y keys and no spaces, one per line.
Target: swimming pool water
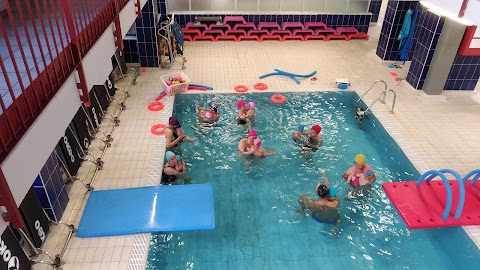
{"x":255,"y":199}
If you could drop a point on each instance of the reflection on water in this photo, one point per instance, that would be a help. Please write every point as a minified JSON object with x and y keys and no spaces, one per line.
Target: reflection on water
{"x":257,"y":226}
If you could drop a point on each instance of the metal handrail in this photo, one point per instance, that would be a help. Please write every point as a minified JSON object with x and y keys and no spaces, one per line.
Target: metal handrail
{"x":374,"y":83}
{"x":394,"y":98}
{"x":384,"y":92}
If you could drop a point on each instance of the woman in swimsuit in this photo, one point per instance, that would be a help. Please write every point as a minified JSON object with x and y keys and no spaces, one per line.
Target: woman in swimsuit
{"x":174,"y":133}
{"x":245,"y":145}
{"x":174,"y":169}
{"x":360,"y":174}
{"x":242,"y":113}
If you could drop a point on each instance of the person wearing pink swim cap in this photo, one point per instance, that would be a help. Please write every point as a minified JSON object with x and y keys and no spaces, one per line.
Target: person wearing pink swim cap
{"x":261,"y":152}
{"x":251,"y":111}
{"x":245,"y":145}
{"x":242,"y":112}
{"x":208,"y":116}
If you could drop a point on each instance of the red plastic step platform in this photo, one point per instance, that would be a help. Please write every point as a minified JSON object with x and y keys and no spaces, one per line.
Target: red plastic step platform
{"x":204,"y":37}
{"x":314,"y":25}
{"x":264,"y":37}
{"x":297,"y":37}
{"x":422,"y":207}
{"x":360,"y":35}
{"x":244,"y":37}
{"x":309,"y":37}
{"x":246,"y":26}
{"x":226,"y":37}
{"x":333,"y":36}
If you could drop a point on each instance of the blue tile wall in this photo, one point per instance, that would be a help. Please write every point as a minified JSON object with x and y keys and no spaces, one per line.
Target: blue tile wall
{"x":427,"y":33}
{"x":374,"y":8}
{"x":130,"y":51}
{"x":388,"y":45}
{"x":146,"y":35}
{"x":464,"y":74}
{"x":50,"y":189}
{"x":361,"y":22}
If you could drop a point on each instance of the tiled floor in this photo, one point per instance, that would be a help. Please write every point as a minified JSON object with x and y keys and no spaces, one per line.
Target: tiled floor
{"x":433,"y":132}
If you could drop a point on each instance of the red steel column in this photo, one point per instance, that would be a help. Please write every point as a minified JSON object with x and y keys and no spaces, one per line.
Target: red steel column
{"x":6,"y":200}
{"x":82,"y":85}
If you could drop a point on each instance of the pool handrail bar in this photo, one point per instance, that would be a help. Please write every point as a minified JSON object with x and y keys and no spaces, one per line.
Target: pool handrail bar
{"x":374,"y":83}
{"x":448,"y":204}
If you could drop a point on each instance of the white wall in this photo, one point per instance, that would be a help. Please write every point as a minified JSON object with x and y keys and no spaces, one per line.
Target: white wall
{"x":27,"y":159}
{"x":98,"y":63}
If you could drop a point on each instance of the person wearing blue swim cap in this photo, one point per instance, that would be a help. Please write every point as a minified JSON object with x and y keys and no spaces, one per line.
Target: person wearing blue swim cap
{"x":174,"y":169}
{"x":324,"y":209}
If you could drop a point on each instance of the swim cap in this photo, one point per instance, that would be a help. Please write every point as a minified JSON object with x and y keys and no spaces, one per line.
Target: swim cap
{"x":179,"y":158}
{"x":213,"y":106}
{"x":301,"y":128}
{"x":174,"y":121}
{"x":252,"y":133}
{"x":169,"y":155}
{"x":317,"y":129}
{"x":257,"y":142}
{"x":368,"y":172}
{"x":360,"y":159}
{"x":322,"y":191}
{"x":251,"y":105}
{"x":208,"y":115}
{"x":332,"y":192}
{"x":240,"y":103}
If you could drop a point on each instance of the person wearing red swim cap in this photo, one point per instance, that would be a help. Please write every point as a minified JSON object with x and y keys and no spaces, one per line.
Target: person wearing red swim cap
{"x":314,"y":139}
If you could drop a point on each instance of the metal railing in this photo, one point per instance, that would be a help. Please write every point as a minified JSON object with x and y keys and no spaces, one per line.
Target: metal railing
{"x":43,"y":43}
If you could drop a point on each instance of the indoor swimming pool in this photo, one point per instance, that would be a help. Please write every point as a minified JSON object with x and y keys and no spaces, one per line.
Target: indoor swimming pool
{"x":257,"y":226}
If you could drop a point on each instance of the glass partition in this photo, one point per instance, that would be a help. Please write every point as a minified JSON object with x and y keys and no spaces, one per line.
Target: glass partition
{"x":275,"y":6}
{"x":247,"y":5}
{"x":358,"y":6}
{"x":178,"y":5}
{"x":292,"y":5}
{"x":337,"y":6}
{"x":223,"y":5}
{"x":314,"y":5}
{"x":201,"y":5}
{"x":269,"y":5}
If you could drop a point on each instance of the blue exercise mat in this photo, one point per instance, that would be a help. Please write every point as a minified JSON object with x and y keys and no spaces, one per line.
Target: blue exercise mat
{"x":147,"y":210}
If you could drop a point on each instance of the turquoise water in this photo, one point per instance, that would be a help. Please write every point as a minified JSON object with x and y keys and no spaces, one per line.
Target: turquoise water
{"x":255,"y":199}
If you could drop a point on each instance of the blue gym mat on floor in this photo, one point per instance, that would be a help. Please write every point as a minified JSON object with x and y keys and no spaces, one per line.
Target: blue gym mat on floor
{"x":147,"y":210}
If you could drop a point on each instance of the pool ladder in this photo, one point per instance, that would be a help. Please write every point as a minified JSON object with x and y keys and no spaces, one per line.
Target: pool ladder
{"x":361,"y":113}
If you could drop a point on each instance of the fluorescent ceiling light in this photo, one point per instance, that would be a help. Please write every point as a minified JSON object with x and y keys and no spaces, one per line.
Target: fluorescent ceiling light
{"x":442,"y":12}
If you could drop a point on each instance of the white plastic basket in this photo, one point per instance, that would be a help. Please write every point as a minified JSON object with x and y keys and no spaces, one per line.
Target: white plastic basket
{"x":173,"y":89}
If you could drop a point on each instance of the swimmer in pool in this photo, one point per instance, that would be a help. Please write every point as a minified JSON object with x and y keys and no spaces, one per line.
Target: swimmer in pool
{"x":208,"y":116}
{"x":259,"y":151}
{"x":174,"y":169}
{"x":311,"y":140}
{"x":325,"y":208}
{"x":242,"y":112}
{"x":245,"y":145}
{"x":359,"y":174}
{"x":251,"y":111}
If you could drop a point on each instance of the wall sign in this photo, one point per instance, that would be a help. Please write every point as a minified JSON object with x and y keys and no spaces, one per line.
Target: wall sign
{"x":470,"y":45}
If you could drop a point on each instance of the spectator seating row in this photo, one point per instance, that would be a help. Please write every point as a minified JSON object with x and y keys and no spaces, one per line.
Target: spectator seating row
{"x":237,"y":29}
